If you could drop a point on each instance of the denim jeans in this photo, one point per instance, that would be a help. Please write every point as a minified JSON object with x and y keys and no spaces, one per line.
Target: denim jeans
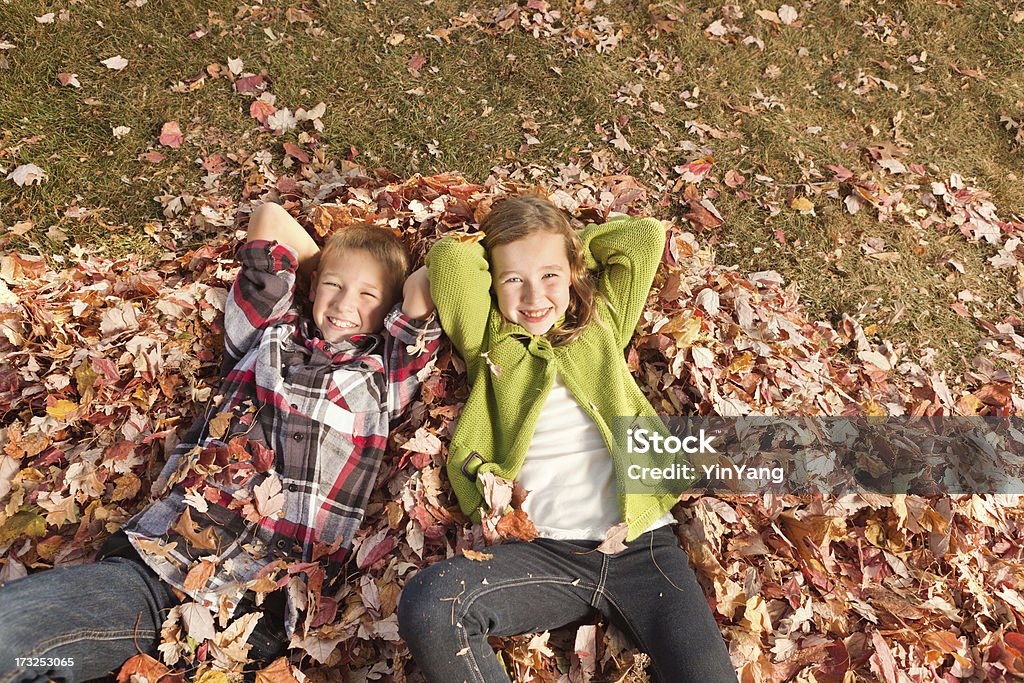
{"x":448,"y":610}
{"x":81,"y":622}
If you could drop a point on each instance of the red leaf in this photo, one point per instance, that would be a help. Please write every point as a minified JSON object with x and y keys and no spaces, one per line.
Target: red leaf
{"x":170,"y":135}
{"x":296,"y":152}
{"x":416,"y":63}
{"x":250,"y":84}
{"x":260,"y":110}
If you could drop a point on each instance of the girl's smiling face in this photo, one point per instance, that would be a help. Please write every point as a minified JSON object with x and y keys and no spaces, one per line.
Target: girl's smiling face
{"x":531,"y":280}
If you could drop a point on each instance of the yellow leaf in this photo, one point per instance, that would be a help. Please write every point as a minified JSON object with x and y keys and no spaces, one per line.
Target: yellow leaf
{"x":802,"y":204}
{"x":24,"y":523}
{"x":219,"y":424}
{"x":62,"y":409}
{"x":212,"y":676}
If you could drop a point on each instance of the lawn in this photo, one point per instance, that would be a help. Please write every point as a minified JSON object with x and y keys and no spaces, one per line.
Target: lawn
{"x":855,"y":166}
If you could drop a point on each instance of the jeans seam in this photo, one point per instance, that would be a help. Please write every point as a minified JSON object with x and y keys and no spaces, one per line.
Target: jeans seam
{"x":89,"y":634}
{"x":490,"y":588}
{"x":599,"y":589}
{"x":474,"y":667}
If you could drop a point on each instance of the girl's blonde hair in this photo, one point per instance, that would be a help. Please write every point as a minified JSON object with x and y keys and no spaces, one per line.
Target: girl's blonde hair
{"x":517,"y":217}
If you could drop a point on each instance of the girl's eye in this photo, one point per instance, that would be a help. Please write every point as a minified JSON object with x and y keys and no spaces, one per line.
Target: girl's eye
{"x":513,"y":279}
{"x":550,"y":275}
{"x":370,"y":294}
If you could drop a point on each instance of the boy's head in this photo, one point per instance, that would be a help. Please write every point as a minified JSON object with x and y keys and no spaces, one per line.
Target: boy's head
{"x":357,"y":281}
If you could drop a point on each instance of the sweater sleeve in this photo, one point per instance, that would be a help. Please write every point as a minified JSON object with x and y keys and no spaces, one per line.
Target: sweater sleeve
{"x":460,"y":284}
{"x":626,"y":252}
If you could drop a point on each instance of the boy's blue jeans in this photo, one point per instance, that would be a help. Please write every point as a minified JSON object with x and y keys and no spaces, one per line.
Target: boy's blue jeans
{"x":448,"y":610}
{"x":81,"y":622}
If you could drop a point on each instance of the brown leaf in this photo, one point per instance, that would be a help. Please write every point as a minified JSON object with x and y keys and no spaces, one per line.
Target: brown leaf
{"x":476,"y":556}
{"x":204,"y":540}
{"x":516,"y":524}
{"x":145,"y":667}
{"x":199,"y":575}
{"x":279,"y":671}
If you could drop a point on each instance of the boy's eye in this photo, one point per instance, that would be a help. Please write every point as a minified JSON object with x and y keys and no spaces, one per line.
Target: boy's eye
{"x":370,"y":294}
{"x":549,"y":275}
{"x":513,"y":279}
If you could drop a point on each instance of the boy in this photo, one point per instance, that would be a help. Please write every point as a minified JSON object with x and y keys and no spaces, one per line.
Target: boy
{"x":280,"y":467}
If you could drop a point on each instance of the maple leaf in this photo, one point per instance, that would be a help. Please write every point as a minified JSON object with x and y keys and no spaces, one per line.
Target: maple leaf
{"x":198,"y":621}
{"x":278,"y":671}
{"x":27,"y":174}
{"x":145,"y":668}
{"x":269,"y":496}
{"x":199,"y":574}
{"x":416,"y":63}
{"x":515,"y":524}
{"x":204,"y":540}
{"x":170,"y":135}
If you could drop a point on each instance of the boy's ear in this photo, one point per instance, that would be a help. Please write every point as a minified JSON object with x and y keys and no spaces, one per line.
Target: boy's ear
{"x":312,"y":284}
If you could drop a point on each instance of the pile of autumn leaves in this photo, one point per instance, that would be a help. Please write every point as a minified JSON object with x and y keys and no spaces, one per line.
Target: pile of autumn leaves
{"x":107,"y":360}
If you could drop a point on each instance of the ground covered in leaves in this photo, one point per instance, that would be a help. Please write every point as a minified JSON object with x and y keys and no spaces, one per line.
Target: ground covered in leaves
{"x":796,"y":261}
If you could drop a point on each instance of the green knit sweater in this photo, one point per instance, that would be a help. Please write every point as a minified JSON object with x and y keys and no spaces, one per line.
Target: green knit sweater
{"x":511,"y":371}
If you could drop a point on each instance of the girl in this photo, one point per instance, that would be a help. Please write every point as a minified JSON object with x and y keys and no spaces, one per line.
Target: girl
{"x":543,"y":342}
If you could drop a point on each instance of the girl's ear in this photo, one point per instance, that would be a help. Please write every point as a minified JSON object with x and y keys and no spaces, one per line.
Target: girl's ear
{"x":312,"y":285}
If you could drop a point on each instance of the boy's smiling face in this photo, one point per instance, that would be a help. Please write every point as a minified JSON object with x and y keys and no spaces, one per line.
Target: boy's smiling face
{"x":350,"y":295}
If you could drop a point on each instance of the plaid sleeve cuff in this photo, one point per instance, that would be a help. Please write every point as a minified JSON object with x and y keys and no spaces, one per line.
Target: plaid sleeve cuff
{"x":408,"y":330}
{"x":268,"y":256}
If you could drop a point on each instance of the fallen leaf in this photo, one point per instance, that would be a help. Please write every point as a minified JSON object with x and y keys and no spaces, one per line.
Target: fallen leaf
{"x":170,"y":135}
{"x":115,"y":63}
{"x":27,"y":174}
{"x":66,"y":78}
{"x":476,"y":556}
{"x":614,"y":539}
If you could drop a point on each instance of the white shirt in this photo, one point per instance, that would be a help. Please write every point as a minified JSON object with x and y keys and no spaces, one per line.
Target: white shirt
{"x":570,"y":474}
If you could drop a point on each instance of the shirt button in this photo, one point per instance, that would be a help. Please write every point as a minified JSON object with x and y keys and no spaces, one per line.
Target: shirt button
{"x":281,"y":544}
{"x":297,"y":436}
{"x":293,"y":487}
{"x":295,"y":406}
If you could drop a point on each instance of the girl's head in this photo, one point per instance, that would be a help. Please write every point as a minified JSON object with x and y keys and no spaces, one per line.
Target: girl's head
{"x":538,"y":268}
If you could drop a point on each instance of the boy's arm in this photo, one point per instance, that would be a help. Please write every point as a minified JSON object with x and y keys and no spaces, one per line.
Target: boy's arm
{"x":627,"y":252}
{"x":271,"y":222}
{"x":264,"y":289}
{"x":460,"y":284}
{"x":410,"y":345}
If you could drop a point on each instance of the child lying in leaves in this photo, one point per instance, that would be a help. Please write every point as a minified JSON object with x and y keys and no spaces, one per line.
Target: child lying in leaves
{"x":272,"y":482}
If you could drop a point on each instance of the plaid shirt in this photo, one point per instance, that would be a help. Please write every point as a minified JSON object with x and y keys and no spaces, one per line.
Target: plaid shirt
{"x":282,"y":464}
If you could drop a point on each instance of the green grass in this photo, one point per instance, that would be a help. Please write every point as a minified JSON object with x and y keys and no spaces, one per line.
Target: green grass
{"x":349,"y":58}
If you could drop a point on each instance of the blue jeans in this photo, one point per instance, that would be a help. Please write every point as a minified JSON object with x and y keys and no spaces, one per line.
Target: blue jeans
{"x":81,"y":622}
{"x":448,"y":610}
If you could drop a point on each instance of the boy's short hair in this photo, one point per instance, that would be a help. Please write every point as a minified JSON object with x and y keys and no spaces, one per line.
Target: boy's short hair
{"x":381,"y":244}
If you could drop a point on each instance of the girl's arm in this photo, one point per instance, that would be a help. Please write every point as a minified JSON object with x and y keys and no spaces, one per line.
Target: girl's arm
{"x":460,"y":284}
{"x":626,"y":251}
